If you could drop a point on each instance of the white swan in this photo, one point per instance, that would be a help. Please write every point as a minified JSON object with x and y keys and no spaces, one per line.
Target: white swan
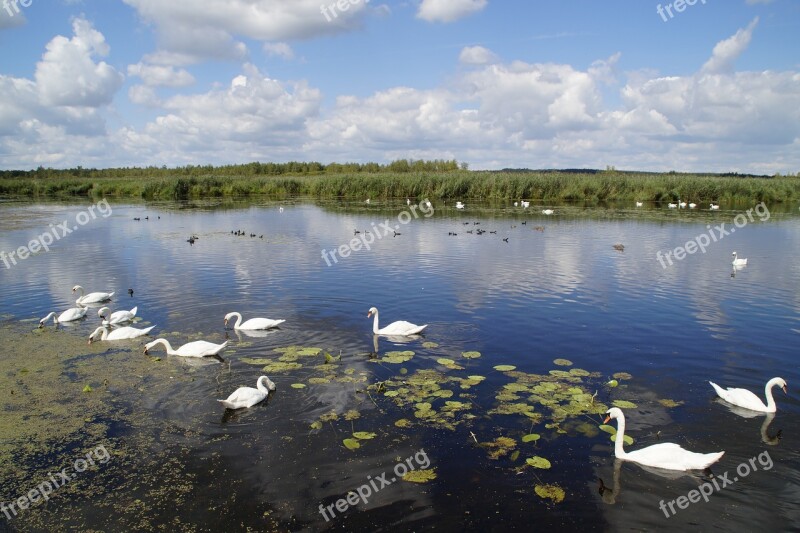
{"x":408,"y":201}
{"x":92,"y":297}
{"x":525,"y":204}
{"x":253,"y":323}
{"x":401,"y":327}
{"x":748,"y":400}
{"x":671,"y":205}
{"x":117,"y":317}
{"x":515,"y":204}
{"x":547,"y":211}
{"x":737,"y":261}
{"x":459,"y":205}
{"x":692,"y":205}
{"x":681,"y":204}
{"x":713,"y":206}
{"x":248,"y":396}
{"x":119,"y":333}
{"x":667,"y":455}
{"x":73,"y":313}
{"x":639,"y":204}
{"x":190,"y":349}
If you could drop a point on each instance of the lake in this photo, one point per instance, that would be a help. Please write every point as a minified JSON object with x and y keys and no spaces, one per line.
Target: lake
{"x":579,"y":325}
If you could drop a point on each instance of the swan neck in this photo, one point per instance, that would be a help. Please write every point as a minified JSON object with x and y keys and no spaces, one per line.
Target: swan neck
{"x":260,"y":384}
{"x":768,"y":393}
{"x":618,"y":450}
{"x":167,"y":345}
{"x":375,"y":327}
{"x":51,"y":315}
{"x":238,"y":320}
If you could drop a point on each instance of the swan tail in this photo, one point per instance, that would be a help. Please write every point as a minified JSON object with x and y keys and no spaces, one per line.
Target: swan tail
{"x":227,"y":404}
{"x":134,"y":310}
{"x":713,"y":458}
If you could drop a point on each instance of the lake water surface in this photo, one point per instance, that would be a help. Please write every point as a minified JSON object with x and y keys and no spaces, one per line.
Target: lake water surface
{"x":555,"y":300}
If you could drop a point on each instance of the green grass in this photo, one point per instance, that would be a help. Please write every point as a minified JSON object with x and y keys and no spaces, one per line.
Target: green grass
{"x":550,"y":186}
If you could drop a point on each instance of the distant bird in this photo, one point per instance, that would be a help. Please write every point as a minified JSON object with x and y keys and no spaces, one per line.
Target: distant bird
{"x":280,"y":210}
{"x":681,"y":204}
{"x":505,"y":239}
{"x":367,"y":201}
{"x":248,"y":396}
{"x":737,"y":261}
{"x":428,"y":203}
{"x":147,"y":218}
{"x":459,"y":205}
{"x":191,"y":239}
{"x":539,"y":228}
{"x":408,"y":201}
{"x":671,"y":205}
{"x":515,"y":204}
{"x":356,"y":232}
{"x":526,"y":204}
{"x":692,"y":205}
{"x":620,"y":247}
{"x":547,"y":211}
{"x":748,"y":400}
{"x":92,"y":297}
{"x":396,"y":233}
{"x":639,"y":204}
{"x":136,"y":218}
{"x":130,"y":291}
{"x":713,"y":206}
{"x":524,"y":222}
{"x":451,"y":233}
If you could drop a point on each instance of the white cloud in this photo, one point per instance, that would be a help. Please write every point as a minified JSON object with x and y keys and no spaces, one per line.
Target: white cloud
{"x":281,"y":50}
{"x":476,"y":55}
{"x":161,"y":75}
{"x":448,"y":10}
{"x":727,"y":51}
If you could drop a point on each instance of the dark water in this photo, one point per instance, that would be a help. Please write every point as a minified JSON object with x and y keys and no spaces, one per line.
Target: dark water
{"x":562,"y":292}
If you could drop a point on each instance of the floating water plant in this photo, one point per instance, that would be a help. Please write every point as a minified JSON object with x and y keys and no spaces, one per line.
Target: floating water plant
{"x":538,"y":462}
{"x":552,"y":492}
{"x":351,"y":444}
{"x":420,"y":476}
{"x":505,"y":368}
{"x":562,"y":362}
{"x":470,"y":355}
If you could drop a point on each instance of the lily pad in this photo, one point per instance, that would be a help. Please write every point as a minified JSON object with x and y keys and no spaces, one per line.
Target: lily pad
{"x":352,"y":414}
{"x":505,"y":368}
{"x":611,"y":430}
{"x":403,"y":423}
{"x":562,"y":362}
{"x":298,"y":385}
{"x":316,"y":425}
{"x":87,"y":388}
{"x":669,"y":403}
{"x":538,"y":462}
{"x":428,"y":344}
{"x":613,"y":383}
{"x":624,"y":404}
{"x":470,"y":355}
{"x":532,"y":437}
{"x":627,"y":439}
{"x":553,"y":492}
{"x":364,"y":435}
{"x":622,"y":375}
{"x":420,"y":476}
{"x":351,"y":444}
{"x":397,"y":357}
{"x":278,"y":366}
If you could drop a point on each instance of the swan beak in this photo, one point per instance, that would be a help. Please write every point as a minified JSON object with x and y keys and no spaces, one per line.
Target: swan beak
{"x":608,"y":418}
{"x":145,"y":351}
{"x":41,"y":325}
{"x":784,"y":390}
{"x":90,"y":341}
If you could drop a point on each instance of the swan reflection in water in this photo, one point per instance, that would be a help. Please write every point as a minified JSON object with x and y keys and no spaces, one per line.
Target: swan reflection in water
{"x":766,"y":438}
{"x":395,"y":339}
{"x":610,"y":494}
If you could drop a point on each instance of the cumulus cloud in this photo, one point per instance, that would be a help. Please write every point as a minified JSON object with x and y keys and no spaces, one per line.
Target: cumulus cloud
{"x":476,"y":55}
{"x":448,"y":10}
{"x":727,"y":51}
{"x":282,"y":50}
{"x":161,"y":75}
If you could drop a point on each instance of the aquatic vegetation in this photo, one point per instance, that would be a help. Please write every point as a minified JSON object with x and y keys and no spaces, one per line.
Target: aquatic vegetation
{"x":562,"y":362}
{"x":531,"y":437}
{"x":351,"y":444}
{"x":624,"y":404}
{"x":470,"y":355}
{"x":669,"y":403}
{"x":420,"y":476}
{"x":552,"y":492}
{"x":505,"y":368}
{"x":500,"y":447}
{"x":298,"y":385}
{"x":397,"y":357}
{"x":538,"y":462}
{"x":364,"y":435}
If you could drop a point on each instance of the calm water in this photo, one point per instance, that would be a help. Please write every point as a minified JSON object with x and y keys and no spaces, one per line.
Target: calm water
{"x":562,"y":292}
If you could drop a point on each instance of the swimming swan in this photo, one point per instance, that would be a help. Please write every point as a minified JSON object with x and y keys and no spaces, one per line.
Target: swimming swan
{"x":748,"y":400}
{"x":667,"y":455}
{"x":253,"y":323}
{"x":119,"y":333}
{"x":248,"y":396}
{"x":401,"y":327}
{"x":92,"y":297}
{"x":74,"y":313}
{"x":738,"y":262}
{"x":117,"y":317}
{"x":190,"y":349}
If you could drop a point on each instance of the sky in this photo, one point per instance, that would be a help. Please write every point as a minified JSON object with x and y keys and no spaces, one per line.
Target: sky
{"x":635,"y":84}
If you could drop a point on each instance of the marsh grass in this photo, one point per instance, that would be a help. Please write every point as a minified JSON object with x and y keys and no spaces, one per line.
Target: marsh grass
{"x":589,"y":186}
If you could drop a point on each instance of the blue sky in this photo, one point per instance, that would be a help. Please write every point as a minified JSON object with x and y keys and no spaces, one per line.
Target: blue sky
{"x":715,"y":87}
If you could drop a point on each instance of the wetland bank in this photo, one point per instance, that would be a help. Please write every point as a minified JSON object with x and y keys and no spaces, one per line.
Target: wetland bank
{"x":528,"y":341}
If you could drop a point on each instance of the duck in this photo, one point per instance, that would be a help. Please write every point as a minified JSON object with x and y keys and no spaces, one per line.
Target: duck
{"x":190,"y":349}
{"x":619,"y":247}
{"x":666,"y":455}
{"x":748,"y":400}
{"x":119,"y":333}
{"x":248,"y":396}
{"x":401,"y":327}
{"x":737,"y":261}
{"x":253,"y":323}
{"x":547,"y":211}
{"x":117,"y":317}
{"x":73,"y":313}
{"x":92,"y":297}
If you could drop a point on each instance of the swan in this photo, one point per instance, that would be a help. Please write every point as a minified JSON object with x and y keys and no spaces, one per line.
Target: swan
{"x":671,"y":205}
{"x":639,"y":204}
{"x":515,"y":204}
{"x":69,"y":315}
{"x":119,"y":333}
{"x":692,"y":205}
{"x":459,"y":205}
{"x":713,"y":206}
{"x":737,"y":261}
{"x":401,"y":327}
{"x":117,"y":317}
{"x":408,"y":201}
{"x":681,"y":204}
{"x":526,"y":204}
{"x":547,"y":211}
{"x":190,"y":349}
{"x":248,"y":396}
{"x":748,"y":400}
{"x":667,"y":455}
{"x":92,"y":297}
{"x":253,"y":323}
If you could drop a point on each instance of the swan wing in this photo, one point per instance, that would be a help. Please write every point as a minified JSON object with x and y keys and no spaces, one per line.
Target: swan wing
{"x":260,"y":323}
{"x":401,"y":327}
{"x":73,"y":313}
{"x":671,"y":456}
{"x":200,"y":349}
{"x":128,"y":333}
{"x":740,"y":397}
{"x":243,"y":397}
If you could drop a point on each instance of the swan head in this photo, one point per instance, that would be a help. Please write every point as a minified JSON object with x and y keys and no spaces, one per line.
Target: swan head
{"x":269,"y":382}
{"x":614,"y":412}
{"x":77,"y":288}
{"x":372,"y":311}
{"x":95,"y":332}
{"x":103,"y":311}
{"x":228,"y":317}
{"x":782,"y":384}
